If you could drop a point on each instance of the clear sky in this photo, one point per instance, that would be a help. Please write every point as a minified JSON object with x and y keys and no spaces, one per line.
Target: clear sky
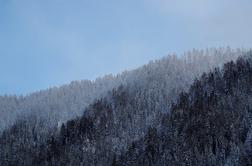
{"x":45,"y":43}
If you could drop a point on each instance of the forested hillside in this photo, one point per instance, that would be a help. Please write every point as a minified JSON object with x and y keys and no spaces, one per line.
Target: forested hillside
{"x":127,"y":121}
{"x":209,"y":125}
{"x":170,"y":74}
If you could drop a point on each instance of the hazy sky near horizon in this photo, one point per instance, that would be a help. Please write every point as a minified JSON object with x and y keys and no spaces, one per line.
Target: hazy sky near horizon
{"x":45,"y":43}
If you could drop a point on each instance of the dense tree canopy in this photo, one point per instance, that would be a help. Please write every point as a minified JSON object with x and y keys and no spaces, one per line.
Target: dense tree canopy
{"x":155,"y":115}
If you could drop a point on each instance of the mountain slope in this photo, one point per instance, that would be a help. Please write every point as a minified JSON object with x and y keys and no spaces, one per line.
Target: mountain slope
{"x":56,"y":105}
{"x":209,"y":125}
{"x":111,"y":124}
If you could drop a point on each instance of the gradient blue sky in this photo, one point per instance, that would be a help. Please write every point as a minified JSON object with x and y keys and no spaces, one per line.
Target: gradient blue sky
{"x":45,"y":43}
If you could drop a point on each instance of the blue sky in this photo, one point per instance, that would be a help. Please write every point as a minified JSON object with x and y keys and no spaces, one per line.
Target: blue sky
{"x":45,"y":43}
